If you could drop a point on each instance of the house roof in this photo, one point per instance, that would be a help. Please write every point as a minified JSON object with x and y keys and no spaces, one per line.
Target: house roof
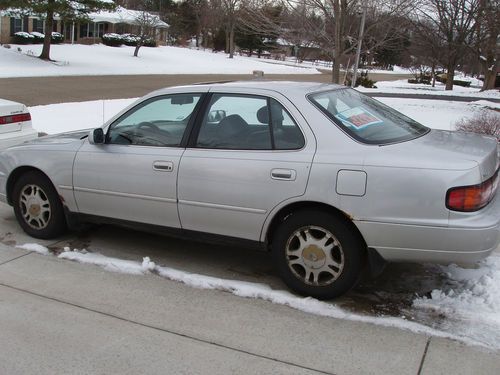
{"x":120,"y":15}
{"x":128,"y":16}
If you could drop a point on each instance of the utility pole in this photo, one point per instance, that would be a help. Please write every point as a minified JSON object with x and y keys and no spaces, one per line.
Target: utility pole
{"x":360,"y":40}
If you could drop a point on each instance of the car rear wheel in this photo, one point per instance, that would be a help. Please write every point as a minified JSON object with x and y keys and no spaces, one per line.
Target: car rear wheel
{"x":318,"y":254}
{"x":37,"y":206}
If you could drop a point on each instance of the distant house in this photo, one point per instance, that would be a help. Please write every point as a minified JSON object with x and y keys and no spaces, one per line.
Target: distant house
{"x":303,"y":50}
{"x":120,"y":21}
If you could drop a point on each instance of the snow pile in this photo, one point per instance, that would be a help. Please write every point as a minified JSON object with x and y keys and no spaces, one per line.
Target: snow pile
{"x":35,"y":248}
{"x":470,"y":301}
{"x":109,"y":264}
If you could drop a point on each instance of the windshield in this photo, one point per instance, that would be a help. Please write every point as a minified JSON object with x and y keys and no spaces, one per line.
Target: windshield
{"x":366,"y":119}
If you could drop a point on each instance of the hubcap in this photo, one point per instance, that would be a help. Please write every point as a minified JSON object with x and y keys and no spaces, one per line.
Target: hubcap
{"x":35,"y":207}
{"x":315,"y":256}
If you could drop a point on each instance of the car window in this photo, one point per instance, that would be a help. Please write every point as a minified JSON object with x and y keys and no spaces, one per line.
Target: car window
{"x":157,"y":122}
{"x":366,"y":119}
{"x":243,"y":122}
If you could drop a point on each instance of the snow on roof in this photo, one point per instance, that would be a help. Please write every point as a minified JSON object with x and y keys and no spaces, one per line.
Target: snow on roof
{"x":122,"y":15}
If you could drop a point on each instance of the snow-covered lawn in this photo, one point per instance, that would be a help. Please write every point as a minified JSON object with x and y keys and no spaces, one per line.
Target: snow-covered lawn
{"x":468,"y":304}
{"x":403,"y":87}
{"x":57,"y":118}
{"x":99,"y":59}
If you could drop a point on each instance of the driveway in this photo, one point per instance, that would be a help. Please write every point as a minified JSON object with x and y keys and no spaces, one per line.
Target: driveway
{"x":57,"y":316}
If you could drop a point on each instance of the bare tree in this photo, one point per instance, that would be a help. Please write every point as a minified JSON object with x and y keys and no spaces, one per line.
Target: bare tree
{"x":453,"y":23}
{"x":147,"y":25}
{"x":425,"y":48}
{"x":230,"y":9}
{"x":335,"y":24}
{"x":487,"y":40}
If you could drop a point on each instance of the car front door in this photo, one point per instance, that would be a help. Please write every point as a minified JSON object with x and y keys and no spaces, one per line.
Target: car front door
{"x":133,"y":175}
{"x":249,"y":154}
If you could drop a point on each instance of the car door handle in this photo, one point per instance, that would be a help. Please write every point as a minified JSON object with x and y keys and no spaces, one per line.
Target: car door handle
{"x":163,"y":166}
{"x":283,"y":174}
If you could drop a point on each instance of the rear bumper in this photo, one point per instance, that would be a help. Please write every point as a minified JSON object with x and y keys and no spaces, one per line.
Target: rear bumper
{"x":15,"y":138}
{"x":466,"y":240}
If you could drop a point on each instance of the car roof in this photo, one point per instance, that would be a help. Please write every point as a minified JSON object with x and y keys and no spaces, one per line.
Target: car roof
{"x":288,"y":88}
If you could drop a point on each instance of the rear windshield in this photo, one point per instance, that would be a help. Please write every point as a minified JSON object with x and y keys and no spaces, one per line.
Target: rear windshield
{"x":366,"y":119}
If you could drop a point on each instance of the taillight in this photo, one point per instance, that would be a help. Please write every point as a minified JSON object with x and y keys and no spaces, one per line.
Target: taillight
{"x":15,"y":118}
{"x":474,"y":197}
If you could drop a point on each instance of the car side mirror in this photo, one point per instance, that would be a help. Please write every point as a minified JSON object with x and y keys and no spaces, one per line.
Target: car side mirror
{"x":96,"y":136}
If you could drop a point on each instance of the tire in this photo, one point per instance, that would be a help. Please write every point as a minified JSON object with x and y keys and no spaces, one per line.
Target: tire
{"x":318,"y":254}
{"x":38,"y":207}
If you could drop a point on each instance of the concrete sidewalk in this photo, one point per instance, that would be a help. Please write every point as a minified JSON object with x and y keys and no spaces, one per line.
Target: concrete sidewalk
{"x":60,"y":317}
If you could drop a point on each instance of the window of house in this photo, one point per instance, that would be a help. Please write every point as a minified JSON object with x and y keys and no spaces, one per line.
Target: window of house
{"x":84,"y":29}
{"x":38,"y":25}
{"x":16,"y":25}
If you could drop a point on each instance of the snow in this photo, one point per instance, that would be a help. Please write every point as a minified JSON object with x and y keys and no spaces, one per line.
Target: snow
{"x":35,"y":248}
{"x":487,"y":104}
{"x":436,"y":114}
{"x":65,"y":117}
{"x":470,"y":300}
{"x":489,"y":302}
{"x":99,"y":59}
{"x":123,"y":15}
{"x":403,"y":87}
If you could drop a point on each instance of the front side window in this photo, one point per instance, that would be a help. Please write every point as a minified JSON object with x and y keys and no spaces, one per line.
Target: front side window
{"x":155,"y":122}
{"x":365,"y":119}
{"x":247,"y":122}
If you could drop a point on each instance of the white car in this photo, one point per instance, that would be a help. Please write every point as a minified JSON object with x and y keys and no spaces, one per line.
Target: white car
{"x":325,"y":177}
{"x":15,"y":124}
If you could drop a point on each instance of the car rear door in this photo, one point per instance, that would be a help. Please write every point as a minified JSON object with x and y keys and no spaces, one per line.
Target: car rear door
{"x":249,"y":153}
{"x":133,"y":176}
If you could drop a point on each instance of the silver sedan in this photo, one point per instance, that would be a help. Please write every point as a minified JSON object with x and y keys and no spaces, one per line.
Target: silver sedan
{"x":333,"y":182}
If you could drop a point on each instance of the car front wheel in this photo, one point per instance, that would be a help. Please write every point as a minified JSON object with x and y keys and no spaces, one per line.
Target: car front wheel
{"x":318,"y":254}
{"x":37,"y":206}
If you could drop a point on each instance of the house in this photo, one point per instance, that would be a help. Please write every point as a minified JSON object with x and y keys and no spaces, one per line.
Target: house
{"x":120,"y":21}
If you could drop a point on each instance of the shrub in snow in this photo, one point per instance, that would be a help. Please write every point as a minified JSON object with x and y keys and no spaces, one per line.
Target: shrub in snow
{"x":485,"y":122}
{"x":22,"y":37}
{"x":130,"y":39}
{"x":362,"y":80}
{"x":56,"y":38}
{"x":443,"y":78}
{"x":38,"y":37}
{"x":112,"y":40}
{"x":150,"y":43}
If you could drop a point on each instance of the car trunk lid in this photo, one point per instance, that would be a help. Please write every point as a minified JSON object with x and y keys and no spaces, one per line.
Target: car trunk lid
{"x":11,"y":118}
{"x":464,"y":146}
{"x":439,"y":149}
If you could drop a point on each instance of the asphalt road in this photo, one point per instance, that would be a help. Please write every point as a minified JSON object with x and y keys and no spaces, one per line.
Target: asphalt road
{"x":50,"y":90}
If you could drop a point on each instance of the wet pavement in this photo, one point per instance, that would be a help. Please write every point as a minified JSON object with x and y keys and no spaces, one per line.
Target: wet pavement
{"x":392,"y":294}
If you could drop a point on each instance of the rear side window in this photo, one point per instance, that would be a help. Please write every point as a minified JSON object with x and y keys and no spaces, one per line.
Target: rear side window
{"x":248,"y":122}
{"x":366,"y":119}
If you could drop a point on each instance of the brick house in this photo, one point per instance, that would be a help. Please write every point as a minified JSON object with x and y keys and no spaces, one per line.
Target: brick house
{"x":121,"y":21}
